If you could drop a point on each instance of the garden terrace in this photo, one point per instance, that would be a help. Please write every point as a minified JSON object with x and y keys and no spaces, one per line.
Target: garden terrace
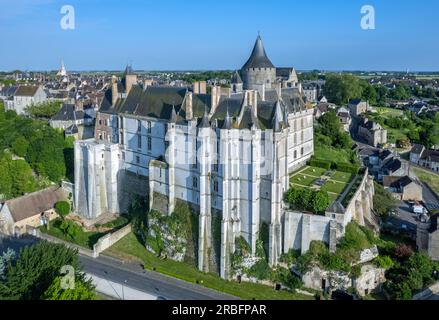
{"x":332,"y":181}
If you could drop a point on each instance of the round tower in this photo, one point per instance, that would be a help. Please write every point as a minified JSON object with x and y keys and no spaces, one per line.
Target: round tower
{"x":258,"y":72}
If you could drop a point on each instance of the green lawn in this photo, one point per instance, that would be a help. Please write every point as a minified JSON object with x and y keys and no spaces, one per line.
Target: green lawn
{"x":314,"y":171}
{"x":341,"y":176}
{"x":129,"y":248}
{"x":389,"y":112}
{"x":329,"y":153}
{"x":333,"y":197}
{"x":83,"y":239}
{"x":429,"y":177}
{"x":303,"y":180}
{"x":333,"y":187}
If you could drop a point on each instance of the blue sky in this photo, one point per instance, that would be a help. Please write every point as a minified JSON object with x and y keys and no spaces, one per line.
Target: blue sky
{"x":200,"y":35}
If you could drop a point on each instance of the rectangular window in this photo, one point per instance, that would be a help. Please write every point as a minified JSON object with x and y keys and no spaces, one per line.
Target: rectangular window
{"x":139,"y":142}
{"x":148,"y":124}
{"x":215,"y":167}
{"x":149,"y":143}
{"x":215,"y":186}
{"x":137,"y":159}
{"x":139,"y":126}
{"x":121,"y":139}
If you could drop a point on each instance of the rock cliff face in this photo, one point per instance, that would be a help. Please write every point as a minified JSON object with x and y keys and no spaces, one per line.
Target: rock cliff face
{"x":174,"y":236}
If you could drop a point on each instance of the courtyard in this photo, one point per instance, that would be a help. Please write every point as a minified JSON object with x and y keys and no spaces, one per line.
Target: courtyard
{"x":332,"y":181}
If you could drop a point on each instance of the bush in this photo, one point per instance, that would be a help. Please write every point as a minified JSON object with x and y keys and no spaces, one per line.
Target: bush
{"x":403,"y":252}
{"x":260,"y":270}
{"x":321,"y":164}
{"x":347,"y":167}
{"x":307,"y":199}
{"x":355,"y":238}
{"x":384,"y":262}
{"x":287,"y":278}
{"x":62,"y":208}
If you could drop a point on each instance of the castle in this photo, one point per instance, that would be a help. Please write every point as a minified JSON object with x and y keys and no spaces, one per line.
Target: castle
{"x":228,"y":154}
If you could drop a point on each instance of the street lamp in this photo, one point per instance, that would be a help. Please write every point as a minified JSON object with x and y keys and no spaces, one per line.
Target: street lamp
{"x":123,"y":291}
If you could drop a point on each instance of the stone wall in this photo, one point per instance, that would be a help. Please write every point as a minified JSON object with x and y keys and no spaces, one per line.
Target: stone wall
{"x":300,"y":229}
{"x":370,"y":280}
{"x":131,"y":185}
{"x":108,"y":240}
{"x":433,"y":245}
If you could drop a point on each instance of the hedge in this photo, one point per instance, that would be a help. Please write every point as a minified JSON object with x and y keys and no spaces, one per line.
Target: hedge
{"x":321,"y":164}
{"x":346,"y":167}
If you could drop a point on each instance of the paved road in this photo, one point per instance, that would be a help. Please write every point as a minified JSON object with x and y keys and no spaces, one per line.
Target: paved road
{"x":148,"y":281}
{"x":132,"y":275}
{"x":406,"y":219}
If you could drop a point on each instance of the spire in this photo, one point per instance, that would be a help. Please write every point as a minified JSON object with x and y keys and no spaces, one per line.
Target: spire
{"x":128,"y":70}
{"x":278,"y":118}
{"x":173,"y":118}
{"x":258,"y":58}
{"x":236,"y":78}
{"x":227,"y":121}
{"x":205,"y":123}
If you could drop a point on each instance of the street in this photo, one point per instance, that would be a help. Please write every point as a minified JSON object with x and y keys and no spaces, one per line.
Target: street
{"x":132,"y":276}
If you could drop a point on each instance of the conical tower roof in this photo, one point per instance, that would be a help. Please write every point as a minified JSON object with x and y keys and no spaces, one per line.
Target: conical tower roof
{"x":258,"y":58}
{"x":204,"y":121}
{"x":227,"y":121}
{"x":173,"y":117}
{"x":236,"y":78}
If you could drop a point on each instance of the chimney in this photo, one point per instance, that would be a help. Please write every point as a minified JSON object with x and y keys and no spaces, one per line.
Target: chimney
{"x":215,"y":97}
{"x":114,"y":92}
{"x":147,"y":83}
{"x":200,"y":87}
{"x":130,"y":80}
{"x":189,"y":110}
{"x":255,"y":98}
{"x":279,"y":89}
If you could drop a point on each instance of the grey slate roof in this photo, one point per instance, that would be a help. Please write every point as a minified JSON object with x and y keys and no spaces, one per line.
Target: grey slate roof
{"x":258,"y":57}
{"x":8,"y":91}
{"x":417,"y":149}
{"x":67,"y":113}
{"x":236,"y":78}
{"x":155,"y":102}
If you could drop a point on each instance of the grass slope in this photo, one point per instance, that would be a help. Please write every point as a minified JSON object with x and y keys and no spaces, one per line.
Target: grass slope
{"x":129,"y":248}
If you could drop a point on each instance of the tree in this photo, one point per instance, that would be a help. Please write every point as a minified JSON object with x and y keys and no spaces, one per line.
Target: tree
{"x":62,"y":208}
{"x":320,"y":201}
{"x":340,"y":89}
{"x":401,"y":92}
{"x":35,"y":269}
{"x":403,"y":252}
{"x":5,"y":259}
{"x":70,"y":228}
{"x":20,"y":146}
{"x":383,"y":201}
{"x":44,"y":110}
{"x":83,"y":290}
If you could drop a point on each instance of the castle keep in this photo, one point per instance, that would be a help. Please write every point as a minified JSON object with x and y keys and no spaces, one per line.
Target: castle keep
{"x":228,"y":154}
